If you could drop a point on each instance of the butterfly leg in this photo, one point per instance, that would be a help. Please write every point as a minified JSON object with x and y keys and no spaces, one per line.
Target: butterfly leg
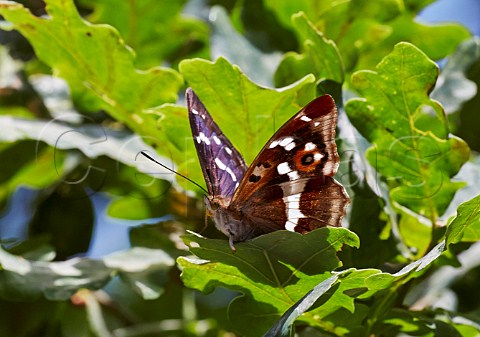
{"x":230,"y":242}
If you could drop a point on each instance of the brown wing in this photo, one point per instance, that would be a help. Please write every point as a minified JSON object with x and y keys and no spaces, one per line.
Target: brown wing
{"x":289,"y":184}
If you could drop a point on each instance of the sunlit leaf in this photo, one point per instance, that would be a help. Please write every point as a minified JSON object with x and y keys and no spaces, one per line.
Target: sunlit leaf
{"x":96,"y":63}
{"x":364,"y":31}
{"x":466,"y":225}
{"x":247,"y":113}
{"x":412,"y":148}
{"x":343,"y":288}
{"x":272,"y":270}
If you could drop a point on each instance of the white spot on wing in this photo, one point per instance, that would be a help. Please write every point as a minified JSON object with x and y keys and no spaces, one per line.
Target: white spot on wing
{"x":293,"y":175}
{"x":203,"y":138}
{"x":317,"y":156}
{"x":203,"y":116}
{"x":316,"y":123}
{"x":228,"y":150}
{"x":310,"y":146}
{"x":285,"y":141}
{"x":292,"y":204}
{"x":220,"y":164}
{"x":305,"y":119}
{"x":290,"y":146}
{"x":283,"y":168}
{"x":229,"y":171}
{"x":217,"y":140}
{"x":290,"y":226}
{"x":330,"y":167}
{"x":274,"y":143}
{"x":195,"y":112}
{"x":224,"y":167}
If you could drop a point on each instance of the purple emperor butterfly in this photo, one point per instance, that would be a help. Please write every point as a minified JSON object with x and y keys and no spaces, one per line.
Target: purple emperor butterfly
{"x":289,"y":184}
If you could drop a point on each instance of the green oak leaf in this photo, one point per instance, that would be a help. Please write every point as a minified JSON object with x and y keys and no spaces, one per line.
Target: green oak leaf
{"x":96,"y":63}
{"x":273,"y":271}
{"x":320,"y":56}
{"x":276,"y":272}
{"x":284,"y":9}
{"x":366,"y":30}
{"x":465,"y":227}
{"x":156,"y":30}
{"x":247,"y":113}
{"x":412,"y":149}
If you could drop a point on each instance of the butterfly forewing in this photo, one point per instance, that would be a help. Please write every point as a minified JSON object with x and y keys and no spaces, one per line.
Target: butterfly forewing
{"x":222,"y":165}
{"x":289,"y":184}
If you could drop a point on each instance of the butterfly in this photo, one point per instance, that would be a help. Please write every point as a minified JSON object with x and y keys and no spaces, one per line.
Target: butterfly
{"x":288,"y":186}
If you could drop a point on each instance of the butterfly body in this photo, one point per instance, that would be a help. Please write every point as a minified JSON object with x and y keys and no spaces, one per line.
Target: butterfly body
{"x":288,"y":186}
{"x":228,"y":220}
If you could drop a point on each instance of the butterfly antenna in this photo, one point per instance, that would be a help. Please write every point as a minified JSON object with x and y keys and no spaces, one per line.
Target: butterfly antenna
{"x":173,"y":171}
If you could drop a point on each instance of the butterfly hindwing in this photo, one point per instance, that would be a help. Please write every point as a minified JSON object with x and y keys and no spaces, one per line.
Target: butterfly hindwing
{"x":222,"y":165}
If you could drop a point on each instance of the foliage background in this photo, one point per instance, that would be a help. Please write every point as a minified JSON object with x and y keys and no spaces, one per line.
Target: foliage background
{"x":91,"y":232}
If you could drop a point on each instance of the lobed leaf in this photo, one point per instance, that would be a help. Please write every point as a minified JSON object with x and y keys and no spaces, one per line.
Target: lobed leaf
{"x":96,"y":63}
{"x":366,"y":30}
{"x":341,"y":311}
{"x":247,"y":113}
{"x":272,"y":271}
{"x":411,"y":149}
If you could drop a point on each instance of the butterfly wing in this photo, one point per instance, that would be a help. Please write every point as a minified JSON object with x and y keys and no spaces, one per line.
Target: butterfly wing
{"x":290,"y":184}
{"x":222,"y":165}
